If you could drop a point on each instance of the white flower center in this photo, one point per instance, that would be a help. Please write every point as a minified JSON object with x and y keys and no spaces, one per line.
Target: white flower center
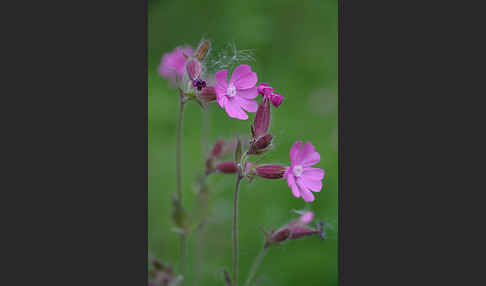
{"x":298,"y":170}
{"x":231,"y":91}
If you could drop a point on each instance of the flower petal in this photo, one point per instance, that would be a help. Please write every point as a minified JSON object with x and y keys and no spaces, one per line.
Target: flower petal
{"x":308,"y":156}
{"x":220,"y":87}
{"x":248,"y":93}
{"x":243,"y":77}
{"x":294,"y":152}
{"x":307,"y":196}
{"x":310,"y":173}
{"x":306,"y":193}
{"x":222,"y":99}
{"x":239,"y":72}
{"x":247,"y":81}
{"x":313,"y":185}
{"x":247,"y":104}
{"x":307,"y":217}
{"x":234,"y":110}
{"x":292,"y":185}
{"x":221,"y":80}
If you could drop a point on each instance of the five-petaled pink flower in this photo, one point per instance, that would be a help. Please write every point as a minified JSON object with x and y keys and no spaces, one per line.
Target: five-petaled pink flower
{"x":238,"y":93}
{"x":301,"y":177}
{"x":172,"y":65}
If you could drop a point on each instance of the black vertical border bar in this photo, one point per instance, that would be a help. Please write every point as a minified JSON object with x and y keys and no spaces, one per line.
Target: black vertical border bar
{"x":340,"y":146}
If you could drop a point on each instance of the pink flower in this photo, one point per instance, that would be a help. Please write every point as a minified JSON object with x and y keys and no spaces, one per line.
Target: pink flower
{"x":301,"y":177}
{"x":172,"y":65}
{"x":264,"y":89}
{"x":307,"y":217}
{"x":294,"y":230}
{"x":238,"y":93}
{"x":267,"y":91}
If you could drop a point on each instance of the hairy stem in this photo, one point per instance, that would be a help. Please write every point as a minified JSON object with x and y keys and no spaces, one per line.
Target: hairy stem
{"x":205,"y":129}
{"x":178,"y":149}
{"x":183,"y":254}
{"x":256,"y":264}
{"x":202,"y":200}
{"x":179,"y":177}
{"x":235,"y":230}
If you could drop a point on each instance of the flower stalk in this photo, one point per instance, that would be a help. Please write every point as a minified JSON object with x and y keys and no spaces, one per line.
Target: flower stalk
{"x":256,"y":265}
{"x":202,"y":200}
{"x":179,"y":180}
{"x":235,"y":229}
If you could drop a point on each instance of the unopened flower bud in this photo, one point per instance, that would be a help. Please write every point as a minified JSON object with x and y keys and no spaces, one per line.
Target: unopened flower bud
{"x":276,"y":99}
{"x":227,"y":167}
{"x":260,"y":145}
{"x":294,"y":230}
{"x":270,"y":171}
{"x":218,"y":147}
{"x":203,"y":50}
{"x":207,"y":94}
{"x":179,"y":215}
{"x":262,"y":118}
{"x":194,"y":69}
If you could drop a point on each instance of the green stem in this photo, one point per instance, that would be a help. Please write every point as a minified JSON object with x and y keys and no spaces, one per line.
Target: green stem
{"x":179,"y":148}
{"x":235,"y":230}
{"x":179,"y":177}
{"x":256,"y":264}
{"x":202,"y":200}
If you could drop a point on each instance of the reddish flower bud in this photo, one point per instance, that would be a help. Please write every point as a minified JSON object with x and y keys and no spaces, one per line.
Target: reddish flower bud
{"x":193,"y":68}
{"x":203,"y":50}
{"x":179,"y":215}
{"x":260,"y":145}
{"x":270,"y":171}
{"x":276,"y":99}
{"x":227,"y":167}
{"x":207,"y":94}
{"x":294,"y":230}
{"x":218,"y":147}
{"x":262,"y":119}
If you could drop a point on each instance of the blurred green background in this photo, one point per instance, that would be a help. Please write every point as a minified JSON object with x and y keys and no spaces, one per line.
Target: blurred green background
{"x":296,"y":51}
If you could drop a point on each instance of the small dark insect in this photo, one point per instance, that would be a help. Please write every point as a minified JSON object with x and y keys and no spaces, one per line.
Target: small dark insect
{"x":199,"y":83}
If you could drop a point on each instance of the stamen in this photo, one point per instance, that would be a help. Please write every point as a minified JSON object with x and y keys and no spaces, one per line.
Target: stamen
{"x":298,"y":170}
{"x":231,"y":91}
